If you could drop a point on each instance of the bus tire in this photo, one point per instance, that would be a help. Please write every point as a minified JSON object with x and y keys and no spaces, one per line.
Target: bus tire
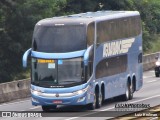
{"x":92,"y":106}
{"x":127,"y":92}
{"x":157,"y":74}
{"x":131,"y":91}
{"x":48,"y":108}
{"x":98,"y":99}
{"x":103,"y":93}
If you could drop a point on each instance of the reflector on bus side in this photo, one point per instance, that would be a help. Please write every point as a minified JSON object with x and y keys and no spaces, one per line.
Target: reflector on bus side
{"x":25,"y":57}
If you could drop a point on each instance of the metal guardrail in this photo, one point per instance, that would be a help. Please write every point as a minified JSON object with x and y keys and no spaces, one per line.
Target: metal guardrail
{"x":149,"y":61}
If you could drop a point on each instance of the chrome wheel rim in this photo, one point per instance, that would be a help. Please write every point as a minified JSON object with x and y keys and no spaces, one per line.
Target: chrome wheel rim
{"x":127,"y":93}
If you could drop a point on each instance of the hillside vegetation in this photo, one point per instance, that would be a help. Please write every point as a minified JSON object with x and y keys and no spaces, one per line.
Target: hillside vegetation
{"x":18,"y":17}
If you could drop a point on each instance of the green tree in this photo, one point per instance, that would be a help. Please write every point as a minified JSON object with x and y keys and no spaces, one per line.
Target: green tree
{"x":17,"y":20}
{"x":149,"y":10}
{"x":79,"y":6}
{"x":150,"y":14}
{"x":18,"y":17}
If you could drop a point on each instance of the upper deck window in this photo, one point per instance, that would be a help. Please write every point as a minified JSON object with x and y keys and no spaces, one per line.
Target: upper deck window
{"x":119,"y":28}
{"x":59,"y":39}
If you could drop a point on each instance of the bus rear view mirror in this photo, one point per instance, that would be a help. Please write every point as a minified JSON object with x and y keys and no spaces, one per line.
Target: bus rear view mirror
{"x":25,"y":57}
{"x":86,"y":55}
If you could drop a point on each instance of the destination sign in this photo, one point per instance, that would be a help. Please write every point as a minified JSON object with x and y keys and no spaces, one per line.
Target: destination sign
{"x":45,"y":61}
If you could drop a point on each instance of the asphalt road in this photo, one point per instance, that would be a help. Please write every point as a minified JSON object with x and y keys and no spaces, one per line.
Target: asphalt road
{"x":148,"y":95}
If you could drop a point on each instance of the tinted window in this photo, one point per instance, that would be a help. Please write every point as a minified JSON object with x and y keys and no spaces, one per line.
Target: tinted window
{"x":118,"y":29}
{"x":90,"y":34}
{"x":65,"y":72}
{"x":111,"y":66}
{"x":140,"y":58}
{"x":59,"y":38}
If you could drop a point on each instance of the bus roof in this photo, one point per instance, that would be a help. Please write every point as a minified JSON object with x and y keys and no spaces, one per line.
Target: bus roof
{"x":86,"y":18}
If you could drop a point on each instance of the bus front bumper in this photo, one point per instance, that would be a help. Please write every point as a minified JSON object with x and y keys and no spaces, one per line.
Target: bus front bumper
{"x":58,"y":100}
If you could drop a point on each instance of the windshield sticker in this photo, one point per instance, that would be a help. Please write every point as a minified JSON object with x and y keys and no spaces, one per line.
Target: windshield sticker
{"x":60,"y":62}
{"x":51,"y":65}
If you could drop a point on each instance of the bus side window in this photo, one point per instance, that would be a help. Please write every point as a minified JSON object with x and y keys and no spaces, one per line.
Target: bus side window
{"x":34,"y":46}
{"x":82,"y":67}
{"x":90,"y":64}
{"x":140,"y":58}
{"x":90,"y":34}
{"x":125,"y":28}
{"x":111,"y":66}
{"x":90,"y":68}
{"x":87,"y":71}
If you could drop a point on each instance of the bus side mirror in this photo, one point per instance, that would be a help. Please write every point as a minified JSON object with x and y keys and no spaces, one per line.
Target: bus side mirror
{"x":25,"y":57}
{"x":86,"y":55}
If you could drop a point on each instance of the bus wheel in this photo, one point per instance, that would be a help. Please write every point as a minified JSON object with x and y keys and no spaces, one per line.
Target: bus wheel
{"x":131,"y":90}
{"x":157,"y":74}
{"x":127,"y":92}
{"x":99,"y":99}
{"x":92,"y":106}
{"x":48,"y":108}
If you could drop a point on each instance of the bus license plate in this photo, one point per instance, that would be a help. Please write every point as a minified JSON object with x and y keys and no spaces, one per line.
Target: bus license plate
{"x":57,"y":101}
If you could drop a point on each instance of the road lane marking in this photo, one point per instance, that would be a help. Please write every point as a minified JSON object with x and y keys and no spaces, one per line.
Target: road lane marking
{"x":155,"y":118}
{"x":138,"y":101}
{"x":88,"y":114}
{"x":34,"y":107}
{"x":30,"y":109}
{"x":151,"y":81}
{"x":145,"y":99}
{"x":72,"y":118}
{"x":148,"y":76}
{"x":112,"y":107}
{"x":14,"y":102}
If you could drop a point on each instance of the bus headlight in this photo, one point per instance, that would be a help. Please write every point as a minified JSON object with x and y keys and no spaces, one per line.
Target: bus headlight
{"x":79,"y":92}
{"x":157,"y":63}
{"x":36,"y":92}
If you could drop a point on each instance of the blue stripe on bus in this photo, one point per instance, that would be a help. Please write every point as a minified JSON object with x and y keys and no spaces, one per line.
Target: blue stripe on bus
{"x":57,"y":55}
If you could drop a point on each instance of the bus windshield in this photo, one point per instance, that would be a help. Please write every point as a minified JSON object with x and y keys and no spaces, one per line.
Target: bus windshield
{"x":58,"y":39}
{"x":52,"y":73}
